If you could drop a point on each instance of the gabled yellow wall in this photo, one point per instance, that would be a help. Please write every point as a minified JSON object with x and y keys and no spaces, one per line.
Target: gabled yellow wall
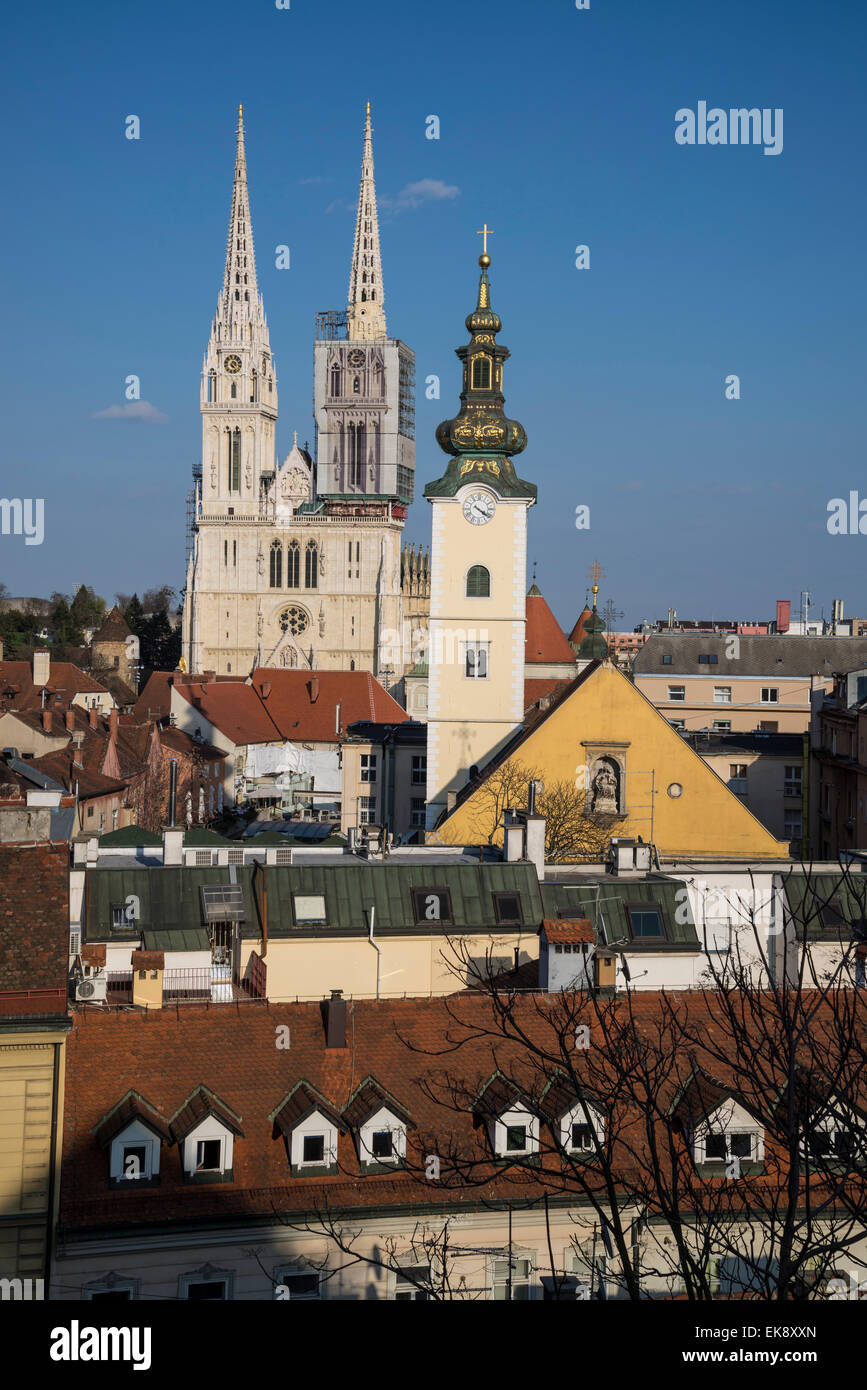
{"x":707,"y":820}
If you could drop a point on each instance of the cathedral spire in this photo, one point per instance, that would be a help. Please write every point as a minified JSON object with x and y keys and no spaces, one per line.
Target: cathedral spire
{"x":240,"y":302}
{"x":365,"y":312}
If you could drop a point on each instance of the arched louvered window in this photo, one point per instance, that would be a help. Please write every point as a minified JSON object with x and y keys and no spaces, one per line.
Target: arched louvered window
{"x":478,"y":582}
{"x":335,"y":380}
{"x":293,"y":565}
{"x":481,"y":373}
{"x":276,"y":570}
{"x":311,"y":565}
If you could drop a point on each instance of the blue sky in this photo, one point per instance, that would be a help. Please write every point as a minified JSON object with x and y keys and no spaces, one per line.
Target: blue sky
{"x":557,"y":127}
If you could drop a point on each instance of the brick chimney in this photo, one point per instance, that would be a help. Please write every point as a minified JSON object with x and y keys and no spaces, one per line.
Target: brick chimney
{"x":112,"y":725}
{"x":47,"y":719}
{"x":70,"y":721}
{"x":335,"y":1020}
{"x":41,"y":667}
{"x":784,"y":614}
{"x":93,"y":716}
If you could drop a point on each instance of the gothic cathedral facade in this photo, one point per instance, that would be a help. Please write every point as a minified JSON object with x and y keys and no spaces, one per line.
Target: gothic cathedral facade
{"x":300,"y":564}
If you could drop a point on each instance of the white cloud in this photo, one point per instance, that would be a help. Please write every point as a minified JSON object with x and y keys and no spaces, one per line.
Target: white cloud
{"x":132,"y":410}
{"x":413,"y":195}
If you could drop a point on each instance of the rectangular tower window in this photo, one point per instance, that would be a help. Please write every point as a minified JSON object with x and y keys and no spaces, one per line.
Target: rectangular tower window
{"x":235,"y":461}
{"x":476,"y":656}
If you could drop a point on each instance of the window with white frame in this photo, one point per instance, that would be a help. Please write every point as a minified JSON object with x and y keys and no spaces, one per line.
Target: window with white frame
{"x":208,"y":1149}
{"x":577,"y":1129}
{"x":729,"y":1133}
{"x":135,"y":1154}
{"x":722,"y":726}
{"x":313,"y":1143}
{"x":367,"y":810}
{"x":793,"y":783}
{"x":419,"y":769}
{"x":770,"y":695}
{"x":477,"y":660}
{"x":205,"y":1286}
{"x":113,"y":1289}
{"x":511,"y":1278}
{"x":793,"y":825}
{"x":677,"y":694}
{"x":722,"y":694}
{"x":515,"y":1133}
{"x":294,"y":1282}
{"x":738,"y":777}
{"x":382,"y":1138}
{"x":416,"y":811}
{"x":836,"y":1136}
{"x":412,"y":1283}
{"x":368,"y":767}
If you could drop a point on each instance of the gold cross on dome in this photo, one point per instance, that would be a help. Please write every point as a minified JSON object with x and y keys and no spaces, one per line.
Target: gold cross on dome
{"x":595,"y":573}
{"x":484,"y":232}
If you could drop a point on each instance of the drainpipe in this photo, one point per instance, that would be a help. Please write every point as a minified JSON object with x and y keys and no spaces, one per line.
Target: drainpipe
{"x":377,"y":949}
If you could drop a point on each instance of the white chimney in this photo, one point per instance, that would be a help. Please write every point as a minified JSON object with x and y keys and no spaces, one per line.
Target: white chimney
{"x":41,"y":667}
{"x":173,"y":845}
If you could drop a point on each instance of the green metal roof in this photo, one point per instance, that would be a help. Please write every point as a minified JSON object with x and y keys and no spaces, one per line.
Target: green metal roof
{"x":176,"y":939}
{"x":202,"y":838}
{"x":129,"y":836}
{"x":815,"y":899}
{"x":169,"y":899}
{"x":608,"y":899}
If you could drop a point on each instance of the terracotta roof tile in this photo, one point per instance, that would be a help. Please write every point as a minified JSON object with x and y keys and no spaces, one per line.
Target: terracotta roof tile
{"x":303,"y":704}
{"x":545,"y":640}
{"x":561,"y":930}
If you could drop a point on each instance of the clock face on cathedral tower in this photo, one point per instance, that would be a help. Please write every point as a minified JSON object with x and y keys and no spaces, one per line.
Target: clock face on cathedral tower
{"x":233,"y":363}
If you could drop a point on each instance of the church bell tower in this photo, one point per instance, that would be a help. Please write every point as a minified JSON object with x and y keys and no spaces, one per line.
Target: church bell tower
{"x":478,"y":568}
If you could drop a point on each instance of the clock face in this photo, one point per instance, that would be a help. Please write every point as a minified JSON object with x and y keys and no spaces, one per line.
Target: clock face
{"x":478,"y":508}
{"x":356,"y":358}
{"x":232,"y":364}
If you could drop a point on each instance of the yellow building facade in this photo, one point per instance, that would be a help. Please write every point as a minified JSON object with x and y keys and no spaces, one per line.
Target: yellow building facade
{"x":634,"y":775}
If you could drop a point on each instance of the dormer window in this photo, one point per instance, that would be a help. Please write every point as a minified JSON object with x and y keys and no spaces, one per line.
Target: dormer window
{"x":512,"y":1126}
{"x":582,"y":1130}
{"x":310,"y":1128}
{"x":205,"y":1131}
{"x":379,"y":1124}
{"x":728,"y":1134}
{"x":134,"y":1132}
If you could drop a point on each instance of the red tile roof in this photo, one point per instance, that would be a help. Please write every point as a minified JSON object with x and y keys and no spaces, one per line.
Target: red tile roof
{"x":34,"y":926}
{"x":234,"y":709}
{"x":304,"y":703}
{"x":17,"y":691}
{"x":115,"y":627}
{"x":536,"y":690}
{"x":578,"y":634}
{"x":432,"y":1056}
{"x":579,"y":930}
{"x":545,"y":640}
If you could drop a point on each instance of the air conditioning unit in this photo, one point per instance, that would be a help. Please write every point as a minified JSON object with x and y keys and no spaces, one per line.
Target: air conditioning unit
{"x":91,"y":989}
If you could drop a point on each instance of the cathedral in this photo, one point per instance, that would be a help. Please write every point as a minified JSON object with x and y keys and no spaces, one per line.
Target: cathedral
{"x":302,"y":564}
